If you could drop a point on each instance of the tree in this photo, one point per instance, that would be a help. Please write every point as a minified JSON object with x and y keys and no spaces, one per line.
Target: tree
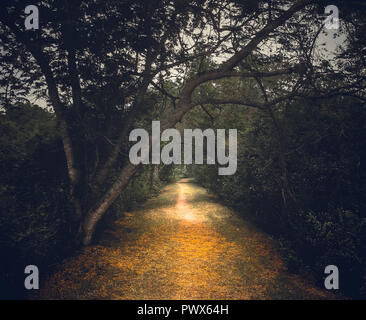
{"x":98,"y":63}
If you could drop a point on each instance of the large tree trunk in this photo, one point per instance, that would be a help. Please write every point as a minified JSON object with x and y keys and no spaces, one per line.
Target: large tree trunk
{"x":93,"y":217}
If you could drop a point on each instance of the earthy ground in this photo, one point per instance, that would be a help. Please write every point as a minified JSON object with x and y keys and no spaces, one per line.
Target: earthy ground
{"x":181,"y":245}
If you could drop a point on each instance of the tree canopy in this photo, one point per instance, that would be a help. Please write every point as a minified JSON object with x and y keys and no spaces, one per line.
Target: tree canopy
{"x":106,"y":67}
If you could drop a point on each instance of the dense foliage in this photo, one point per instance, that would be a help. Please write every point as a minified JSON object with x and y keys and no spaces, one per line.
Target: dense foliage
{"x":325,"y":154}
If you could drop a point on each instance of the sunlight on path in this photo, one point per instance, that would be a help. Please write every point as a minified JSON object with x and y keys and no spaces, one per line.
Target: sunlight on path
{"x":181,"y":245}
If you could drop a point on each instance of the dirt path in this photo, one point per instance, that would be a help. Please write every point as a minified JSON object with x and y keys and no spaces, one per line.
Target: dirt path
{"x":181,"y":245}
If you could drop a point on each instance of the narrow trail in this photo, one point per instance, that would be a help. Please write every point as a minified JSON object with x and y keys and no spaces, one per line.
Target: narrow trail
{"x":180,"y":245}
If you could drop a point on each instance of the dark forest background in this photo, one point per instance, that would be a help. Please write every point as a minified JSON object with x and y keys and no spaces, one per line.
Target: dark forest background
{"x":104,"y":67}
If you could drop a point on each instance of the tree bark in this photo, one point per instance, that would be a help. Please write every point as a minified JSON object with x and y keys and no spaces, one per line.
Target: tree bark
{"x":43,"y":61}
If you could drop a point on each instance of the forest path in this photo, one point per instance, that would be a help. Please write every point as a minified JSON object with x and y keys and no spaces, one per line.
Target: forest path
{"x":180,"y":245}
